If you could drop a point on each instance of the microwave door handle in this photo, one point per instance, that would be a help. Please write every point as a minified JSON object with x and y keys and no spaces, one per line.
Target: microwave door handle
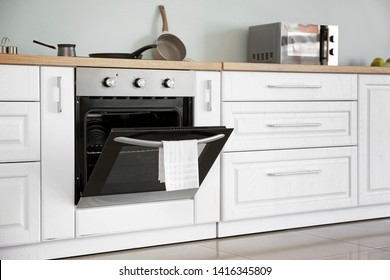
{"x":157,"y":144}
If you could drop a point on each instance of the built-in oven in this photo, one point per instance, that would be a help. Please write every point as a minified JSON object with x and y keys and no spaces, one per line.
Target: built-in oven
{"x":122,"y":117}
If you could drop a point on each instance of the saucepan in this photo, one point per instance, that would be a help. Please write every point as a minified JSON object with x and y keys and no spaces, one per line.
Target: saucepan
{"x":63,"y":49}
{"x":169,"y":46}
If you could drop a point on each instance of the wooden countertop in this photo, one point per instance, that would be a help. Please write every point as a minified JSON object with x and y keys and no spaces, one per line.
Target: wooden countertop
{"x":107,"y":63}
{"x":184,"y":65}
{"x":268,"y":67}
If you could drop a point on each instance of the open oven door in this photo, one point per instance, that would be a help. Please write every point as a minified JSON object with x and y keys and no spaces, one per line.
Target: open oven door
{"x":128,"y":164}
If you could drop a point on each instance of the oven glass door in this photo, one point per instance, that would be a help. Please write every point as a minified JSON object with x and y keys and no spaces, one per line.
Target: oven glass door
{"x":128,"y":164}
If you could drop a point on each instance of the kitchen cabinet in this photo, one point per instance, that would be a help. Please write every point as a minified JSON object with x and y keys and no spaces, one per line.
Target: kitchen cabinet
{"x":19,"y":155}
{"x":300,"y":142}
{"x":57,"y":113}
{"x":19,"y":83}
{"x":293,"y":148}
{"x":20,"y":131}
{"x":19,"y":203}
{"x":374,"y":139}
{"x":111,"y":219}
{"x":269,"y":183}
{"x":280,"y":125}
{"x":272,"y":86}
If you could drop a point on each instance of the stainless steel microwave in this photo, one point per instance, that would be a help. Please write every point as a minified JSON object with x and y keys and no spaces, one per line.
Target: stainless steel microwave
{"x":293,"y":43}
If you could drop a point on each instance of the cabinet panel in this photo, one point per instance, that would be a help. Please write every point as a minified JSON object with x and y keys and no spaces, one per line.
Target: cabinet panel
{"x":19,"y":83}
{"x":252,"y":86}
{"x":57,"y":109}
{"x":374,"y":139}
{"x":133,"y":217}
{"x":207,"y":109}
{"x":19,"y":203}
{"x":20,"y":131}
{"x":279,"y":125}
{"x":267,"y":183}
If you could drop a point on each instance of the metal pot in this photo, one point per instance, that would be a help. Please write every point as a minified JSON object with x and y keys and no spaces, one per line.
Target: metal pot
{"x":63,"y":49}
{"x":169,"y":46}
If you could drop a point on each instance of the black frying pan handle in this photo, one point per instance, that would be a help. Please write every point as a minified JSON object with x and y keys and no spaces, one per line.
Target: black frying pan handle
{"x":141,"y":50}
{"x":43,"y":44}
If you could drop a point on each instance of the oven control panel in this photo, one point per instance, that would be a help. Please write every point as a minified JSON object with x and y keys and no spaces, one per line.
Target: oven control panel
{"x":134,"y":82}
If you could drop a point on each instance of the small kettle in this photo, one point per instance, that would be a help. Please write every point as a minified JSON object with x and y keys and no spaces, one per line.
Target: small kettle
{"x":63,"y":49}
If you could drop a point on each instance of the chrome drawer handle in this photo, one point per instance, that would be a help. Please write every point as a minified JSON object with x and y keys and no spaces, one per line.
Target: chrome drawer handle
{"x":294,"y":124}
{"x":209,"y":101}
{"x":157,"y":144}
{"x":302,"y":172}
{"x":59,"y":101}
{"x":295,"y":86}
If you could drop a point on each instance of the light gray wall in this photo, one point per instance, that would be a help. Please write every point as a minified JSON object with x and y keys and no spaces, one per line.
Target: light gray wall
{"x":212,"y":30}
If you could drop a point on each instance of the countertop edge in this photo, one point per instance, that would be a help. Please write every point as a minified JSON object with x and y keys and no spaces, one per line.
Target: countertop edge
{"x":107,"y":63}
{"x":61,"y":61}
{"x":267,"y":67}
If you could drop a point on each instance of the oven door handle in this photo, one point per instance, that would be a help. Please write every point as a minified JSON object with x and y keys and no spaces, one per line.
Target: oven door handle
{"x":157,"y":144}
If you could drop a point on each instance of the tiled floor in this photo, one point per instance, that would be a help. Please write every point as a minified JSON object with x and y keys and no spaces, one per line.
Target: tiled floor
{"x":364,"y":240}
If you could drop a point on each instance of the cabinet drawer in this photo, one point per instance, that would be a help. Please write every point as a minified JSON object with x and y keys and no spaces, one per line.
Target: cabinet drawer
{"x":252,"y":86}
{"x":134,"y":217}
{"x":19,"y":203}
{"x":278,"y":125}
{"x":268,"y":183}
{"x":19,"y":83}
{"x":20,"y":131}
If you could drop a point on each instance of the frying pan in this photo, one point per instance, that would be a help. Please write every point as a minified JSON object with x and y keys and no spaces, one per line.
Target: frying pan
{"x":169,"y":47}
{"x":134,"y":55}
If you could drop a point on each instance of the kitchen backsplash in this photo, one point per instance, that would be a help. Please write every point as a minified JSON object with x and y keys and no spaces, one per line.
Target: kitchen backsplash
{"x":211,"y":30}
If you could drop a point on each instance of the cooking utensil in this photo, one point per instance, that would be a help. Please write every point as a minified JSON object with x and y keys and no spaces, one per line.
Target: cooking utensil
{"x":134,"y":55}
{"x":169,"y":46}
{"x":5,"y":42}
{"x":63,"y":49}
{"x":6,"y":48}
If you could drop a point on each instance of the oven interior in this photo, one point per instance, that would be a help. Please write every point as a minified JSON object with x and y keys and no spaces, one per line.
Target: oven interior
{"x":96,"y":117}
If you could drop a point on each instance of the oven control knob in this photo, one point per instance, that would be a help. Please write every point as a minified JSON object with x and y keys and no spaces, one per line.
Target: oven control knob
{"x":139,"y":83}
{"x":109,"y":82}
{"x":169,"y":83}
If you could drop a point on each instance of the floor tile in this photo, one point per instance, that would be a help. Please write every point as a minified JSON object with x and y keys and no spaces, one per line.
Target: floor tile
{"x":373,"y":254}
{"x":285,"y":245}
{"x":372,"y":233}
{"x":386,"y":248}
{"x":186,"y":251}
{"x":363,"y":240}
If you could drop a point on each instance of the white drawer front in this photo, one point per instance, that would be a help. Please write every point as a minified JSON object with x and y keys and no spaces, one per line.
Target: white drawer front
{"x":134,"y":217}
{"x":252,"y":86}
{"x":19,"y":131}
{"x":277,"y":125}
{"x":257,"y":184}
{"x":19,"y":203}
{"x":19,"y":83}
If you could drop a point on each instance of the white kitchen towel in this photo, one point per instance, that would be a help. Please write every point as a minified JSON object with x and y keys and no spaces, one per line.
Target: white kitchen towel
{"x":178,"y":165}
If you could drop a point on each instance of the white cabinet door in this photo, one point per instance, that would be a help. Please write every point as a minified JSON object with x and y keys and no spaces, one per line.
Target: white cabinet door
{"x":255,"y":86}
{"x":19,"y":131}
{"x":281,"y":125}
{"x":207,"y":111}
{"x":270,"y":183}
{"x":19,"y":203}
{"x":133,"y":217}
{"x":374,"y":139}
{"x":57,"y":109}
{"x":19,"y":83}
